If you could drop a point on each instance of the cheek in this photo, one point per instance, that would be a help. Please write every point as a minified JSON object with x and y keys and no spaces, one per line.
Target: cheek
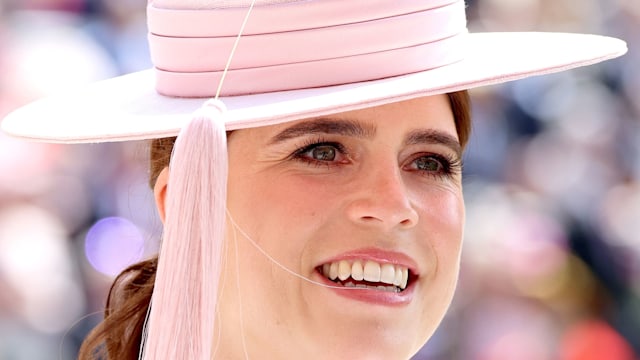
{"x":442,"y":216}
{"x":277,"y":209}
{"x":442,"y":226}
{"x":288,"y":197}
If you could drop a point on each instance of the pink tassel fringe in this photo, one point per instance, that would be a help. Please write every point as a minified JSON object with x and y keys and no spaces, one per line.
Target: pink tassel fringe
{"x":182,"y":317}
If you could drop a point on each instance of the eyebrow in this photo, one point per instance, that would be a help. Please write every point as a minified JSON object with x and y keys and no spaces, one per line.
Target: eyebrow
{"x":357,"y":129}
{"x":435,"y":137}
{"x":326,"y":126}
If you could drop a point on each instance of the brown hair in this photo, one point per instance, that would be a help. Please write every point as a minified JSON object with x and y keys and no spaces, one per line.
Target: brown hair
{"x":119,"y":335}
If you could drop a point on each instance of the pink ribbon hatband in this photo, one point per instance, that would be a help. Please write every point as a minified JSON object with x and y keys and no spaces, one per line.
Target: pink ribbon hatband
{"x":291,"y":45}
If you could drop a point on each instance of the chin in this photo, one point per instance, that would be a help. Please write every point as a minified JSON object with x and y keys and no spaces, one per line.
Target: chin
{"x":377,"y":350}
{"x":381,"y":340}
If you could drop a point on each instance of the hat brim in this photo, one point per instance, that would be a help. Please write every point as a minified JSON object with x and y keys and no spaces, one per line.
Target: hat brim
{"x":129,"y":108}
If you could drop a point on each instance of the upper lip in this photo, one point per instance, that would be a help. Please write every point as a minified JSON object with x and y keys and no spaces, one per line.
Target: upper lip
{"x":381,"y":256}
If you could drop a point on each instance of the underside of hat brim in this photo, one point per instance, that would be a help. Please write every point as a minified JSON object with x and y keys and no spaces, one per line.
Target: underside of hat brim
{"x":129,"y":108}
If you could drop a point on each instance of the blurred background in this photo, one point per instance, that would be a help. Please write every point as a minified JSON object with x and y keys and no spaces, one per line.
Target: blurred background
{"x":551,"y":265}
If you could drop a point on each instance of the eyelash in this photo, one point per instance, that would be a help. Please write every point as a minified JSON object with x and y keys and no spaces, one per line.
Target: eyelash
{"x":299,"y":154}
{"x":451,"y":165}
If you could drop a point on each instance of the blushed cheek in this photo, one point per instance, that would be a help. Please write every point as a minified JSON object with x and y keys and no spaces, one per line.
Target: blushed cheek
{"x":453,"y":215}
{"x":443,"y":221}
{"x":279,"y":208}
{"x":301,"y":198}
{"x":444,"y":226}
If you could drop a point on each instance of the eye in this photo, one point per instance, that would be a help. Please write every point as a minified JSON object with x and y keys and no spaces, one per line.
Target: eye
{"x":435,"y":165}
{"x":321,"y":153}
{"x":427,"y":163}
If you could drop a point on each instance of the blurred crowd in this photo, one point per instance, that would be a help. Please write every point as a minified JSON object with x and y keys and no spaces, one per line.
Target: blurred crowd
{"x":551,"y":264}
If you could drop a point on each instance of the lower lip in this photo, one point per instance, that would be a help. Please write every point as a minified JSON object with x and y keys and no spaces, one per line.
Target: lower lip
{"x":371,"y":296}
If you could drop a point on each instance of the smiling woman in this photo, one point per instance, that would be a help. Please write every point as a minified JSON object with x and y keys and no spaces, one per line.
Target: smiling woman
{"x":355,"y":175}
{"x":313,"y":208}
{"x":368,"y":203}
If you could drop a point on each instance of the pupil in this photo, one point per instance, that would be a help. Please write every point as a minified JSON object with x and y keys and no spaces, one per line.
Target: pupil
{"x":324,"y":153}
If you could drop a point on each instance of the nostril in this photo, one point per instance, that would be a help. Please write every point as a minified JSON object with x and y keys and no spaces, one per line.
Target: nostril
{"x":403,"y":220}
{"x":379,"y":213}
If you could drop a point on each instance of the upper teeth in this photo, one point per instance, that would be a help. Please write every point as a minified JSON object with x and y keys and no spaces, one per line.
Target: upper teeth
{"x":367,"y":270}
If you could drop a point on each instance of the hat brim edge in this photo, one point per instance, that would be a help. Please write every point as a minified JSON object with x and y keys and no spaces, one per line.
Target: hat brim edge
{"x":128,"y":108}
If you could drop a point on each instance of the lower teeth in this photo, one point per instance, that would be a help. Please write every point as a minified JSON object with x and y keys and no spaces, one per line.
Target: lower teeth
{"x":394,"y":289}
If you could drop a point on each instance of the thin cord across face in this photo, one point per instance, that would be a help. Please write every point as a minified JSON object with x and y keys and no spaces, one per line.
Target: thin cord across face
{"x":277,"y":263}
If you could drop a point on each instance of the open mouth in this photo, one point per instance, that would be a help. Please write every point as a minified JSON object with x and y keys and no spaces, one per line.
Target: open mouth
{"x":367,"y":274}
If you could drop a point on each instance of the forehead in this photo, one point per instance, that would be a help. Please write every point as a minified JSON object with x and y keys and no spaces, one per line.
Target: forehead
{"x":432,"y":112}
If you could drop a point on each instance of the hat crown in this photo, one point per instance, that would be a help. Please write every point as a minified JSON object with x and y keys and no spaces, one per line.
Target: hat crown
{"x":294,"y":44}
{"x":214,"y":4}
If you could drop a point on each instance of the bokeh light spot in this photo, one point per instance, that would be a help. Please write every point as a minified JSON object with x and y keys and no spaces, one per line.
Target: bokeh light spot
{"x":112,"y":244}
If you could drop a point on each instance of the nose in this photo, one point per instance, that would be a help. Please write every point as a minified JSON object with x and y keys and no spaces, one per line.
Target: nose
{"x":382,"y":200}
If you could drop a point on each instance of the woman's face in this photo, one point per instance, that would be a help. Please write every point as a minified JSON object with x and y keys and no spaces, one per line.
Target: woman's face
{"x":368,"y":199}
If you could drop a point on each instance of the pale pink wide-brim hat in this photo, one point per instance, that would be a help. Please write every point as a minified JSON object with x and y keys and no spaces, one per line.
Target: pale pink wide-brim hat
{"x":297,"y":59}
